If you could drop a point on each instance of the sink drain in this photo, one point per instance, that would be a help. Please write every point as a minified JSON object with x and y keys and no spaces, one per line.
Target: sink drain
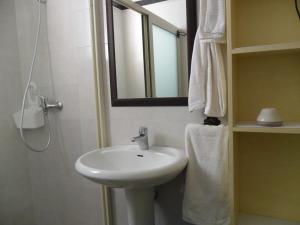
{"x":141,"y":156}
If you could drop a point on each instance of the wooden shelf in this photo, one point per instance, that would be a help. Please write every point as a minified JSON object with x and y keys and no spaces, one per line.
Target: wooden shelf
{"x":249,"y":219}
{"x":263,"y":52}
{"x":283,"y":47}
{"x":287,"y":128}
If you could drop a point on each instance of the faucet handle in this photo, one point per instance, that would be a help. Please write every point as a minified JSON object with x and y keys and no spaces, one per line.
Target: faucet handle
{"x":143,"y":131}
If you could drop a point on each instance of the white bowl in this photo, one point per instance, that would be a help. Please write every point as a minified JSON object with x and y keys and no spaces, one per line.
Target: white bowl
{"x":269,"y":117}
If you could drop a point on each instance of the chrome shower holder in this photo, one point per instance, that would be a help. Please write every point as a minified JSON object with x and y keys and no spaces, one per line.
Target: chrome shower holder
{"x":50,"y":105}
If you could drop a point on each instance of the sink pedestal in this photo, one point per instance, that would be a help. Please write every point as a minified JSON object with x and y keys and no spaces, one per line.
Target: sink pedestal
{"x":140,"y":206}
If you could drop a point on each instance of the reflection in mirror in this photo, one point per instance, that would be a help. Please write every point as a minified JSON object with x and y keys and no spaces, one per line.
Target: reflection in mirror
{"x":165,"y":52}
{"x":170,"y":58}
{"x":128,"y":33}
{"x":150,"y":49}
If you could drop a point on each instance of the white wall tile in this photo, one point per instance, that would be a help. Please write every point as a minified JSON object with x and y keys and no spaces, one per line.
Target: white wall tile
{"x":82,"y":27}
{"x":64,"y":71}
{"x":15,"y":192}
{"x":86,"y":87}
{"x":69,"y":96}
{"x":88,"y":137}
{"x":79,"y":4}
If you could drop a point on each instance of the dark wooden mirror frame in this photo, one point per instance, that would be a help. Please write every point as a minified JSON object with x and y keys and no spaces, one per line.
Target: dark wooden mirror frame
{"x":191,"y":13}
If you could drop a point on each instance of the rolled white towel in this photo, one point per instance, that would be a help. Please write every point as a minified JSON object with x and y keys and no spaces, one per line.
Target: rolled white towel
{"x":207,"y":87}
{"x":198,"y":77}
{"x":216,"y":88}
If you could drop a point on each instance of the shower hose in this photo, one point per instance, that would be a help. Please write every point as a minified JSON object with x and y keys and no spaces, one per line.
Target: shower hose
{"x":37,"y":37}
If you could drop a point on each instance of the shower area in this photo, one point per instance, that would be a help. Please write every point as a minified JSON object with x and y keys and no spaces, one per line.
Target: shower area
{"x":42,"y":188}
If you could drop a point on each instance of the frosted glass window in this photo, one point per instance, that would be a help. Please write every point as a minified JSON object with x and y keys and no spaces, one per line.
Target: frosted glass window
{"x":165,"y":62}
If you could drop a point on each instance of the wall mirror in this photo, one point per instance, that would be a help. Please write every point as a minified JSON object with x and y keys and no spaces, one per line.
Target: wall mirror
{"x":150,"y":46}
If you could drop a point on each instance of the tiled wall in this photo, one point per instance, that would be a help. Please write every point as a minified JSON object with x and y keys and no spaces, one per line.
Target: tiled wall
{"x":166,"y":128}
{"x":15,"y":192}
{"x":64,"y":71}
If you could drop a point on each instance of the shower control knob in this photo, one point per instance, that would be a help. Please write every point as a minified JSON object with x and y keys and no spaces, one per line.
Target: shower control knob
{"x":55,"y":106}
{"x":50,"y":106}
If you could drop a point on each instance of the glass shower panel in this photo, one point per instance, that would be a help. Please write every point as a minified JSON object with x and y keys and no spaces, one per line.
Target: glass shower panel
{"x":165,"y":62}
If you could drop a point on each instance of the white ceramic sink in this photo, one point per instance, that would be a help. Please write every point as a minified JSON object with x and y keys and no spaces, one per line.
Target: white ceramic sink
{"x":129,"y":167}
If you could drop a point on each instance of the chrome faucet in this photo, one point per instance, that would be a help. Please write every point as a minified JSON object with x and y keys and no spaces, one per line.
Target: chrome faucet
{"x":142,"y":139}
{"x":48,"y":105}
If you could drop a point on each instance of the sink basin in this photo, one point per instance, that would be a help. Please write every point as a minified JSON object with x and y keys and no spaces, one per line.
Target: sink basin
{"x":135,"y":170}
{"x":129,"y":167}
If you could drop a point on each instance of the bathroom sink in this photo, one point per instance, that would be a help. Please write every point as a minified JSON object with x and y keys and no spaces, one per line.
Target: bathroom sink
{"x":129,"y":167}
{"x":135,"y":170}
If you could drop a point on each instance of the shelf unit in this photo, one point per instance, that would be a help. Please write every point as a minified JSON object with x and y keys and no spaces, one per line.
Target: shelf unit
{"x":272,"y":48}
{"x":246,"y":219}
{"x":286,"y":128}
{"x":263,"y":67}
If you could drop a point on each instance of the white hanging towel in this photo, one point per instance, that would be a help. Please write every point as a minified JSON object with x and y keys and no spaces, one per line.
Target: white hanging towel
{"x":207,"y":88}
{"x":216,"y":83}
{"x":212,"y":20}
{"x":206,"y":196}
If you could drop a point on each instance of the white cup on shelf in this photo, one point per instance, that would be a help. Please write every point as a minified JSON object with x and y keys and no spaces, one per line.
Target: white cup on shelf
{"x":269,"y":117}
